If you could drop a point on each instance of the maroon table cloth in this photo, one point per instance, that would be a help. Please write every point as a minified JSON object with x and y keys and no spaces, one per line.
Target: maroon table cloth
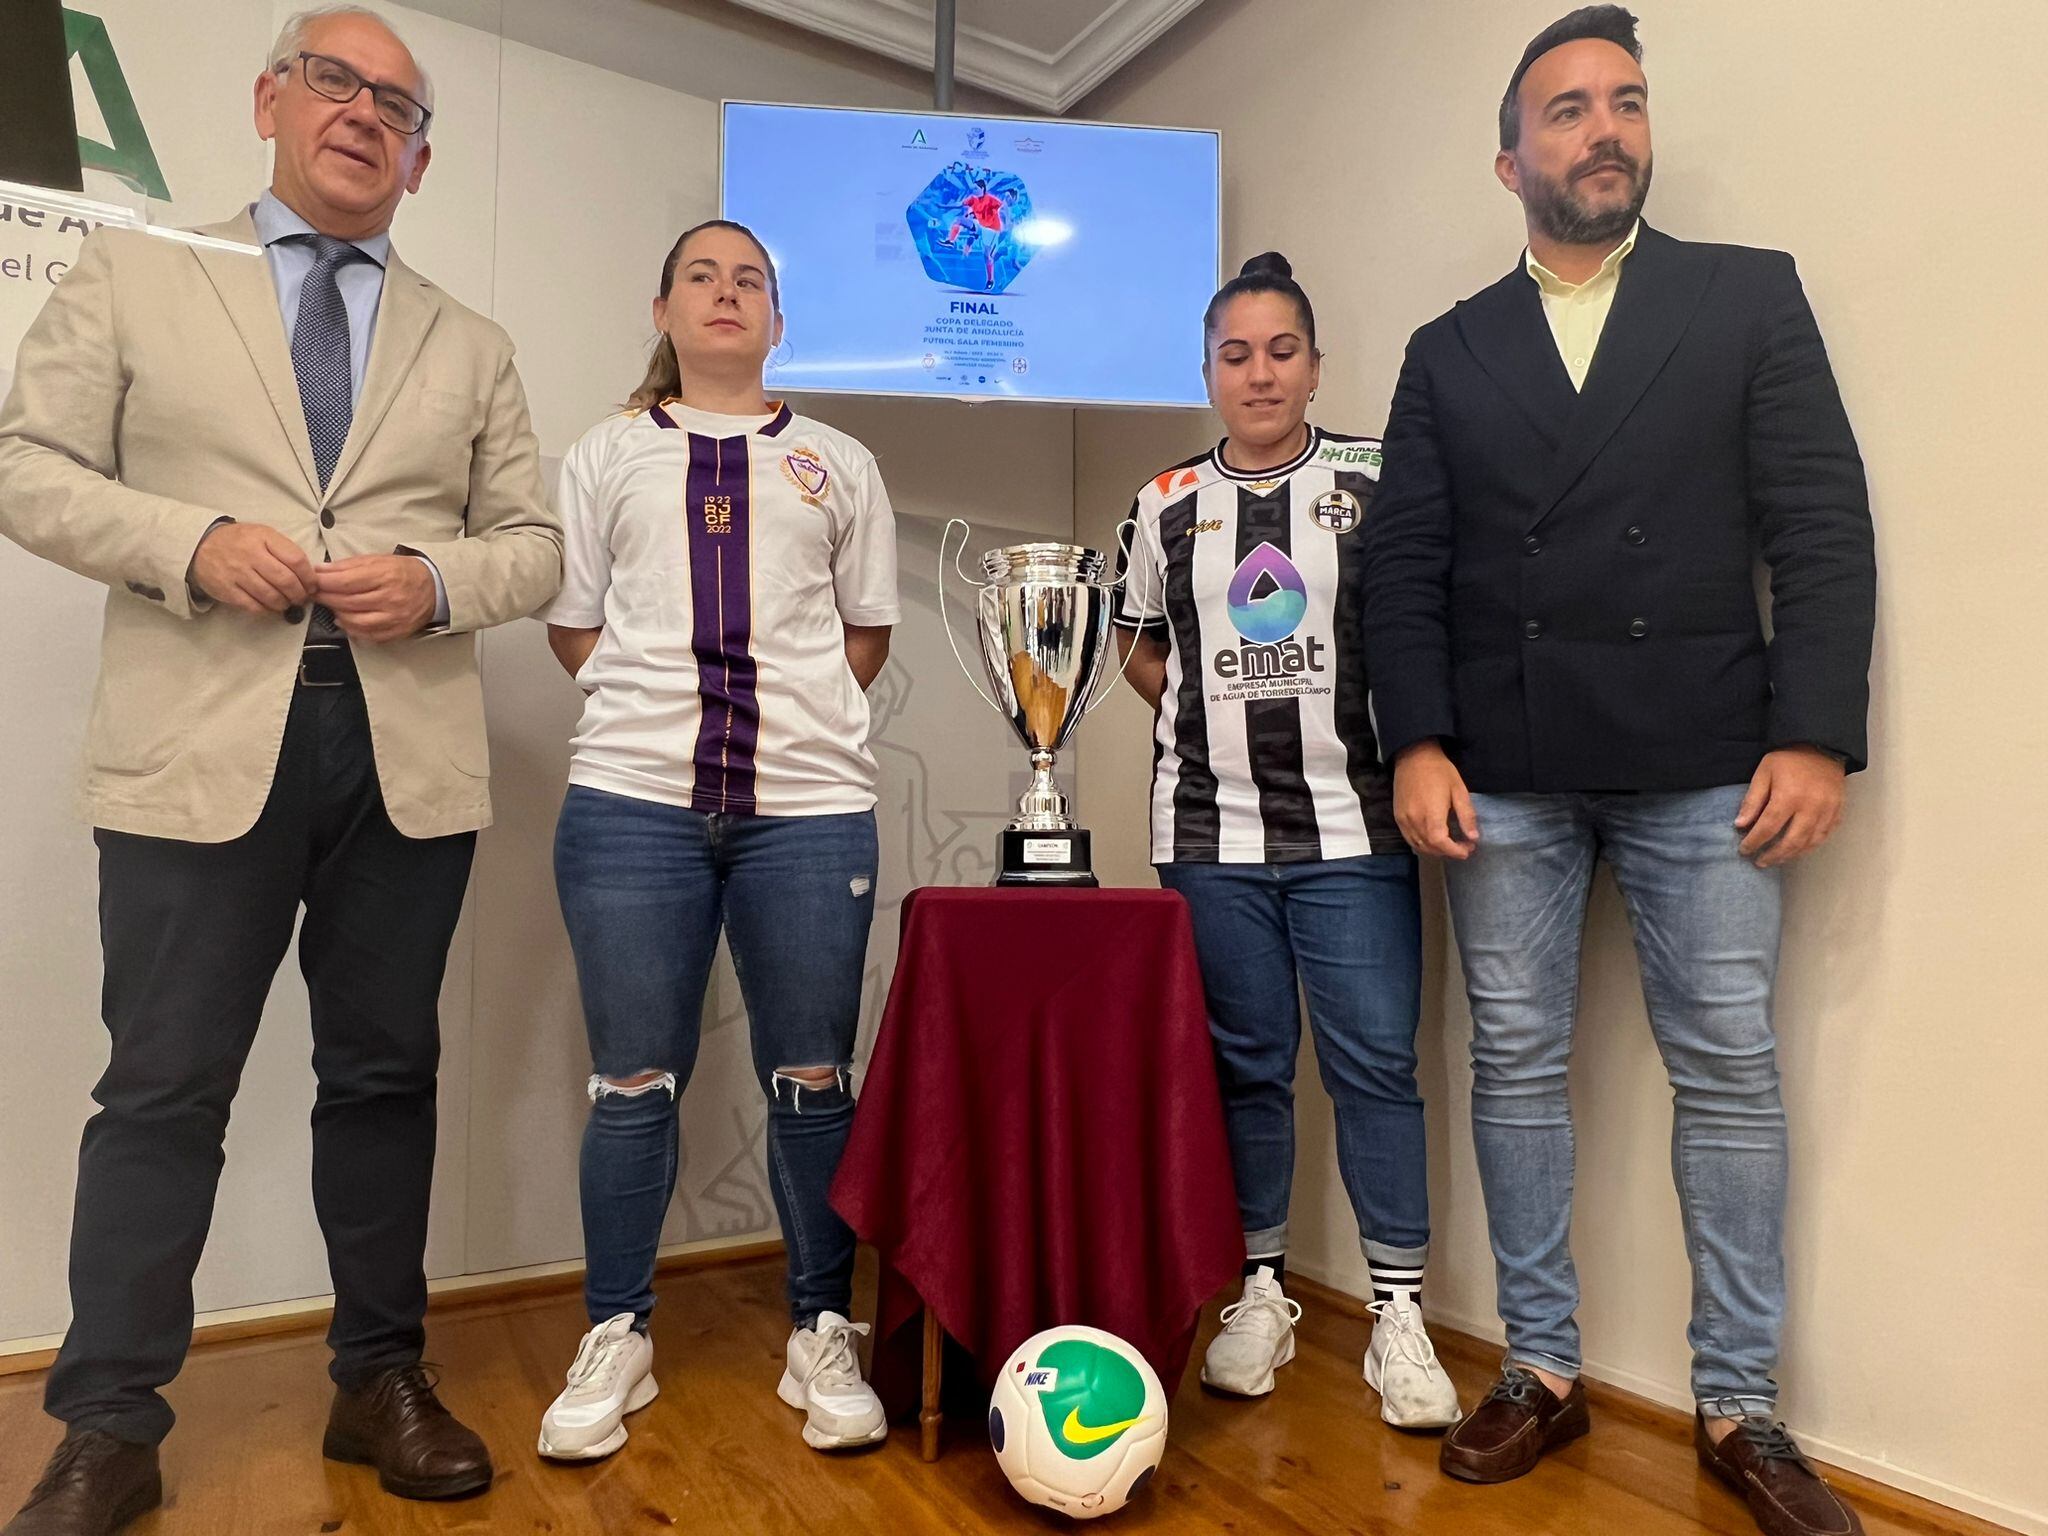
{"x":1039,"y":1138}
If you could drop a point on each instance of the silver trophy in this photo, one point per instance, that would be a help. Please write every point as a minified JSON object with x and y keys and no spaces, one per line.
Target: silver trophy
{"x":1043,"y":615}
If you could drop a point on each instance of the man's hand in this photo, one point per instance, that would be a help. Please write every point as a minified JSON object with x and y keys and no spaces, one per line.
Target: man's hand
{"x":376,"y":598}
{"x":1793,"y":806}
{"x":1428,"y":792}
{"x":251,"y":567}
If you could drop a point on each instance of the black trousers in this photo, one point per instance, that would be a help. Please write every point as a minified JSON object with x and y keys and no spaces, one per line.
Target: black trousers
{"x":193,"y":934}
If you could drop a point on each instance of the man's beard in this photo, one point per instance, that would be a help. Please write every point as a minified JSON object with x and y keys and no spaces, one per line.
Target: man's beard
{"x":1562,"y":216}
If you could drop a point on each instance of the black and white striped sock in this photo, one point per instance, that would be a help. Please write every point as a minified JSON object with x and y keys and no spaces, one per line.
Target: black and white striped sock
{"x":1396,"y":1282}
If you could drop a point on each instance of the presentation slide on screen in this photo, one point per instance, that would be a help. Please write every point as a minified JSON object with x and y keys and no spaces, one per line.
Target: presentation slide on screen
{"x":941,"y":255}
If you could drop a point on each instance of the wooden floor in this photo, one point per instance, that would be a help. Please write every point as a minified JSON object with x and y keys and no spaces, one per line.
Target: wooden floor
{"x":716,"y":1452}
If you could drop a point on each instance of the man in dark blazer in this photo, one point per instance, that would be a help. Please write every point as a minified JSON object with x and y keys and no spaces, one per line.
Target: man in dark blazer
{"x":1583,"y":463}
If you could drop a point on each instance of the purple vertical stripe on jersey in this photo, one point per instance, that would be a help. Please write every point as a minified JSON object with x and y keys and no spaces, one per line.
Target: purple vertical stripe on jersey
{"x":715,"y":497}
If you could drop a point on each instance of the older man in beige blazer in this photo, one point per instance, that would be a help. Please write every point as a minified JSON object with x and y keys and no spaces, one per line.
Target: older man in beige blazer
{"x":306,"y":477}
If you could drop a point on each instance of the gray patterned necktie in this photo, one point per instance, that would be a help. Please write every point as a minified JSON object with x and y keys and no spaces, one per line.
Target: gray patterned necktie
{"x":320,"y":359}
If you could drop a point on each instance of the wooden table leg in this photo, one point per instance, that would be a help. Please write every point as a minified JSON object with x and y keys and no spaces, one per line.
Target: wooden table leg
{"x":934,"y":1358}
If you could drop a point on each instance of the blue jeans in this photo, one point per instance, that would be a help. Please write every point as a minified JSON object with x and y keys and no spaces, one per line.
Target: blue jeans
{"x":645,"y":888}
{"x":1350,"y":932}
{"x":1706,"y":926}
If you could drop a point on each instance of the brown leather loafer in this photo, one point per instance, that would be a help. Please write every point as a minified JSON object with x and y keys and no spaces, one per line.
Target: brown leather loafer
{"x":93,"y":1485}
{"x":396,"y":1424}
{"x":1511,"y":1429}
{"x":1760,"y":1460}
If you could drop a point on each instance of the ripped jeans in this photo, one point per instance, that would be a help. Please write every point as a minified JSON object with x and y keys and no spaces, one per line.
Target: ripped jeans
{"x":645,"y":889}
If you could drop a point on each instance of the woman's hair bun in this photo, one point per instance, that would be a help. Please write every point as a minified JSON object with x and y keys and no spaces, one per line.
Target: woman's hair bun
{"x":1267,"y":264}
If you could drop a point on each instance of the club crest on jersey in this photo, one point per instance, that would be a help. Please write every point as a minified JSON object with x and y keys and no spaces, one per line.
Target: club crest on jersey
{"x":1338,"y":511}
{"x":807,"y":472}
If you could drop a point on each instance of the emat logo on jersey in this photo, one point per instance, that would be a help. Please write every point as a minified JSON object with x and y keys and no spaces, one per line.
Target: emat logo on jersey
{"x":1174,"y":480}
{"x":1267,"y":597}
{"x":1267,"y":600}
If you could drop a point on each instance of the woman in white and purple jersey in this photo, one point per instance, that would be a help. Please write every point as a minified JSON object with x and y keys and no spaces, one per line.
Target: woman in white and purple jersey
{"x":730,"y":584}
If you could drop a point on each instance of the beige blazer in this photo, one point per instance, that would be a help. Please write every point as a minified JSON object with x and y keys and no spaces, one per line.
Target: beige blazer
{"x":155,"y":394}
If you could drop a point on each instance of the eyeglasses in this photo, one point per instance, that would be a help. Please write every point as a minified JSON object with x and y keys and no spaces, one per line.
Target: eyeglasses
{"x":337,"y":82}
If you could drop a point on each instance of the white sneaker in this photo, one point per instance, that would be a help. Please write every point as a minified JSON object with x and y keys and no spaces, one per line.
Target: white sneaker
{"x":613,"y":1375}
{"x":1257,"y":1338}
{"x":1401,"y":1365}
{"x":821,"y":1375}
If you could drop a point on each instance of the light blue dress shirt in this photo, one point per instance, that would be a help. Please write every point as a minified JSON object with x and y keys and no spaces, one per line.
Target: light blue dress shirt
{"x":362,"y":289}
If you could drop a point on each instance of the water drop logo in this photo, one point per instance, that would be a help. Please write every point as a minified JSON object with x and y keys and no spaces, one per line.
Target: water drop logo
{"x":1267,"y":597}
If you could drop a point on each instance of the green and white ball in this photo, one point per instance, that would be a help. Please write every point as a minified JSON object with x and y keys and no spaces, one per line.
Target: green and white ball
{"x":1078,"y":1421}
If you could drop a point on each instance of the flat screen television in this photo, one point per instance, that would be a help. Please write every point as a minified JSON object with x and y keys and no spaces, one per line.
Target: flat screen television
{"x":987,"y":258}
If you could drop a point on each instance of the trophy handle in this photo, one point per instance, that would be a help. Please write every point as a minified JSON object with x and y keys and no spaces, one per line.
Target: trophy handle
{"x":944,"y":619}
{"x":1126,"y":539}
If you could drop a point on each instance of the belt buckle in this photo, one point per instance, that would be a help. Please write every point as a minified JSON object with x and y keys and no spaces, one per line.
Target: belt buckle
{"x":309,"y":682}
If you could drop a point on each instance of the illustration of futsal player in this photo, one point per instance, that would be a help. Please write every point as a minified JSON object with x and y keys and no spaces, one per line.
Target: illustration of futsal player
{"x":987,"y":211}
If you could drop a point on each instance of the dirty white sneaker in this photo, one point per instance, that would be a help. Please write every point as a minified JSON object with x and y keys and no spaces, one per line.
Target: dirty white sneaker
{"x":821,"y":1375}
{"x":613,"y":1375}
{"x":1257,"y":1338}
{"x":1401,"y":1365}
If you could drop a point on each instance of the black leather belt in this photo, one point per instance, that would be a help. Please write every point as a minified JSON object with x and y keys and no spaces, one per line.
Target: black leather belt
{"x":326,"y":664}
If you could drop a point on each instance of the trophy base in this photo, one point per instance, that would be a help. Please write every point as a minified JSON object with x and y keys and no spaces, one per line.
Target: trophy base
{"x":1045,"y":858}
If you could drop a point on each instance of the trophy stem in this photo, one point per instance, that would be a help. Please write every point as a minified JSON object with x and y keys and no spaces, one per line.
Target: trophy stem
{"x":1043,"y":807}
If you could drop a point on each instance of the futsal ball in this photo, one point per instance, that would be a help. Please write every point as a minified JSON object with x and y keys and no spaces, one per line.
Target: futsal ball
{"x":1078,"y":1421}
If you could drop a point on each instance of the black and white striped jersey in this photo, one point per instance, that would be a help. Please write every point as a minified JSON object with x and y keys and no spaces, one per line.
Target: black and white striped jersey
{"x":1263,"y":749}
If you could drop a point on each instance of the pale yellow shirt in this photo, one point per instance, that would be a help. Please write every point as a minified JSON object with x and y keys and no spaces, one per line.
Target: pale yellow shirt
{"x":1577,"y":312}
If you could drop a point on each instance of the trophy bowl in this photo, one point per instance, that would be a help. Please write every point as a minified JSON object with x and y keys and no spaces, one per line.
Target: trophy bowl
{"x":1042,"y":616}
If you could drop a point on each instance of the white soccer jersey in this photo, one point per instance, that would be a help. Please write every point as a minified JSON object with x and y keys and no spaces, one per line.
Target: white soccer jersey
{"x":1263,"y":748}
{"x":721,"y":555}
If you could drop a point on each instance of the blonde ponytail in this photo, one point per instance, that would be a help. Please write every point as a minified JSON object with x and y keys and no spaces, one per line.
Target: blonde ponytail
{"x":664,"y":378}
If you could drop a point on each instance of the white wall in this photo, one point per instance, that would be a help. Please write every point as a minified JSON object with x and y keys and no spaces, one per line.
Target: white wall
{"x":569,"y":151}
{"x":50,"y":1036}
{"x":1893,"y":155}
